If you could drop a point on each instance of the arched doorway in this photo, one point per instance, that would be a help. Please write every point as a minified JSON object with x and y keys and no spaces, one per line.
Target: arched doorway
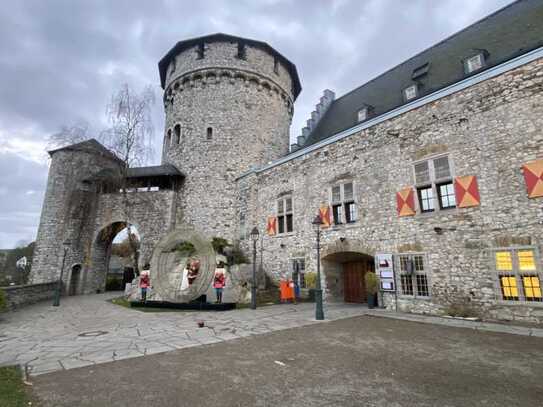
{"x":344,"y":265}
{"x":119,"y":239}
{"x":75,"y":280}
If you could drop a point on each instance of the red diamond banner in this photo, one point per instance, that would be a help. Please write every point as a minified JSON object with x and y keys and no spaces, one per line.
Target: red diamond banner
{"x":405,"y":202}
{"x":324,"y":213}
{"x":533,"y":175}
{"x":271,"y":226}
{"x":467,"y":191}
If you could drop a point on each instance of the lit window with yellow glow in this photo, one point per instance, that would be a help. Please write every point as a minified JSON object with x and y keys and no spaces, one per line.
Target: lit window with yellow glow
{"x":532,"y":288}
{"x":526,"y":260}
{"x":504,"y":261}
{"x":509,"y":288}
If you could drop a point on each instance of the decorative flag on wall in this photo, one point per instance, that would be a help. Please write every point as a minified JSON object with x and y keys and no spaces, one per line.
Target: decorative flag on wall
{"x":271,"y":226}
{"x":533,"y":175}
{"x":467,"y":191}
{"x":324,"y":213}
{"x":405,"y":202}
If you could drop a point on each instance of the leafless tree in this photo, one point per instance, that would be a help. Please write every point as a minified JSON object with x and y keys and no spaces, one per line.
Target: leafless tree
{"x":68,"y":134}
{"x":131,"y":132}
{"x":130,"y":137}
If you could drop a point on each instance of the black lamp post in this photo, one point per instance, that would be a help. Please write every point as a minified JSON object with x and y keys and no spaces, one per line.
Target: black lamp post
{"x":56,"y":301}
{"x":319,"y":311}
{"x":254,"y":237}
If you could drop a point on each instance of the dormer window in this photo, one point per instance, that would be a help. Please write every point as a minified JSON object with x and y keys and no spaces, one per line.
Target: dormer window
{"x":410,"y":92}
{"x":364,"y":113}
{"x":474,"y":63}
{"x":420,"y":71}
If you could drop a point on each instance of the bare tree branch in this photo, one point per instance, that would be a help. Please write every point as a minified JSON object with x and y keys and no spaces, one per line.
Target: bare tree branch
{"x":68,"y":134}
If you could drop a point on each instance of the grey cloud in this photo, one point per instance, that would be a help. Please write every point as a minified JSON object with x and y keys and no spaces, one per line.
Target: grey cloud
{"x":62,"y":59}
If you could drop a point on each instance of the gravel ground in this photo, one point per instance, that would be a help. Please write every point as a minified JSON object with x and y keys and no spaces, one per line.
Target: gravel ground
{"x":361,"y":361}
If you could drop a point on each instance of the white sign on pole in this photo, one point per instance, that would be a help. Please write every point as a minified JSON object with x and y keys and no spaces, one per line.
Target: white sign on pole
{"x":385,"y":268}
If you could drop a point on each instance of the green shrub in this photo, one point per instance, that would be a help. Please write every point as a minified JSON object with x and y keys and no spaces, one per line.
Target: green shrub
{"x":219,"y":244}
{"x":372,"y":283}
{"x":310,"y":280}
{"x":238,"y":257}
{"x":114,"y":283}
{"x":185,"y":248}
{"x":464,"y":310}
{"x":3,"y":300}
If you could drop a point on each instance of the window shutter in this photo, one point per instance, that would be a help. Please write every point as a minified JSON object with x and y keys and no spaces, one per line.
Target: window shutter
{"x":405,"y":202}
{"x":271,"y":226}
{"x":441,"y":168}
{"x":422,"y":173}
{"x":467,"y":191}
{"x":533,"y":176}
{"x":324,"y":213}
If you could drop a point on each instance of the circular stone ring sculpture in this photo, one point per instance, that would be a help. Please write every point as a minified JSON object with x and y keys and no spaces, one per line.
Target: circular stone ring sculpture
{"x":182,"y":266}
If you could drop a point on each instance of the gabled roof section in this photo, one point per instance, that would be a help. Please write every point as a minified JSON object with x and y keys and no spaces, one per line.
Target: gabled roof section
{"x":220,"y":37}
{"x":91,"y":145}
{"x":509,"y":32}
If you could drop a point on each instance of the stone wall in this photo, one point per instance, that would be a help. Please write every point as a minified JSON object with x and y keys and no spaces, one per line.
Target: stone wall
{"x":21,"y":295}
{"x":488,"y":130}
{"x":249,"y":109}
{"x":68,"y":204}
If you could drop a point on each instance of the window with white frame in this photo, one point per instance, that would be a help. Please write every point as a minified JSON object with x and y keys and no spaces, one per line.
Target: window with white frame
{"x":519,"y":277}
{"x":413,"y":276}
{"x":284,"y":215}
{"x":362,"y":114}
{"x":343,"y":203}
{"x":474,"y":63}
{"x":298,"y":272}
{"x":410,"y":92}
{"x":434,"y":184}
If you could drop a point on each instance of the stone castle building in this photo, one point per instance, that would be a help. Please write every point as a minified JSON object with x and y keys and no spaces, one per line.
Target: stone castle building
{"x":434,"y":167}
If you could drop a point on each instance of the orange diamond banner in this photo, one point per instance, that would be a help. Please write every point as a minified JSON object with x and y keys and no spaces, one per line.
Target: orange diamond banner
{"x":271,"y":226}
{"x":324,"y":213}
{"x":533,"y":175}
{"x":467,"y":191}
{"x":405,"y":202}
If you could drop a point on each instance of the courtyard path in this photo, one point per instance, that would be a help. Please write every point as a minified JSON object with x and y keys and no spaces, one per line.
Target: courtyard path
{"x":89,"y":330}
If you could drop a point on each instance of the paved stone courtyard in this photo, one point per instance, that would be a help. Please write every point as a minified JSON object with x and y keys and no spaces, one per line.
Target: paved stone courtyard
{"x":88,"y":330}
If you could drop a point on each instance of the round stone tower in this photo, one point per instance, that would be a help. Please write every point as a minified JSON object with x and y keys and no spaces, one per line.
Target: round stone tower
{"x":228,"y":104}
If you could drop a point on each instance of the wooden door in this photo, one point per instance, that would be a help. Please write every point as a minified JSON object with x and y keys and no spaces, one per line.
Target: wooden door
{"x":353,"y":280}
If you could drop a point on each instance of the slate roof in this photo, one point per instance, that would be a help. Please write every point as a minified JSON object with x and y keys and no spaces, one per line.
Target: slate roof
{"x":91,"y":145}
{"x":505,"y":34}
{"x":220,"y":37}
{"x":154,"y":171}
{"x":166,"y":170}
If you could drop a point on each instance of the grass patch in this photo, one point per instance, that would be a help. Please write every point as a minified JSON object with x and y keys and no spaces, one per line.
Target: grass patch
{"x":13,"y":392}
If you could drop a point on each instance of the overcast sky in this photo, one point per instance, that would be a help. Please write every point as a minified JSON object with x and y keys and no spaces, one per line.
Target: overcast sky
{"x":61,"y":60}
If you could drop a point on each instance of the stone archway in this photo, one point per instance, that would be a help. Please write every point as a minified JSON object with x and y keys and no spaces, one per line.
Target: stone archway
{"x":345,"y":263}
{"x":95,"y":273}
{"x":75,"y":280}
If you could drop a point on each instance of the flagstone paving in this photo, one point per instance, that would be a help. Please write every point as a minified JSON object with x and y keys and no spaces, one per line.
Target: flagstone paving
{"x":88,"y":330}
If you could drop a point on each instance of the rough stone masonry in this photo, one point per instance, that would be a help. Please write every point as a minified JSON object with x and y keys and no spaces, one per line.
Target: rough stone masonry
{"x":229,"y":103}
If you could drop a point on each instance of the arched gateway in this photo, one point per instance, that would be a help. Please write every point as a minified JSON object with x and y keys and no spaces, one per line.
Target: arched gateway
{"x":345,"y":264}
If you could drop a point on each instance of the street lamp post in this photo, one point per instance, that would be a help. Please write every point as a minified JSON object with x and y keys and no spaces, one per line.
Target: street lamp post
{"x":319,"y":311}
{"x":56,"y":301}
{"x":254,"y":237}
